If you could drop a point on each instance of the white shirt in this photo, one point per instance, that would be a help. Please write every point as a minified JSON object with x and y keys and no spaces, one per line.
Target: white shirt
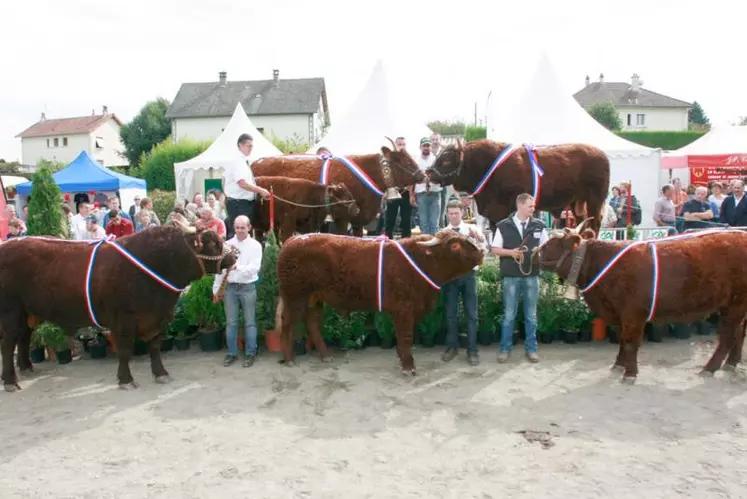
{"x":236,"y":170}
{"x":424,"y":164}
{"x":464,"y":230}
{"x":98,"y":233}
{"x":247,"y":266}
{"x":498,"y":238}
{"x":79,"y":227}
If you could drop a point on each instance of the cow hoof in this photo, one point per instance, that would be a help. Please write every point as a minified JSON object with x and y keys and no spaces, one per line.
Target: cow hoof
{"x":164,"y":379}
{"x":628,"y":380}
{"x":12,"y":388}
{"x":327,"y":359}
{"x":408,"y":371}
{"x":617,"y":367}
{"x":729,"y":368}
{"x":290,"y":363}
{"x":706,"y":373}
{"x":128,"y":386}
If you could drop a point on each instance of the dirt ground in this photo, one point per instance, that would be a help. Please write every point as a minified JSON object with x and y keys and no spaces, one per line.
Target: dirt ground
{"x":357,"y":428}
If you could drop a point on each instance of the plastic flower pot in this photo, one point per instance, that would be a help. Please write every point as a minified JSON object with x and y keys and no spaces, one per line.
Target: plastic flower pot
{"x":299,"y":347}
{"x":140,"y":348}
{"x":546,"y":337}
{"x":387,"y":343}
{"x":585,"y":334}
{"x":570,"y":336}
{"x":64,"y":356}
{"x":97,"y":350}
{"x":181,"y":343}
{"x":428,"y":340}
{"x":167,"y":344}
{"x":485,"y":337}
{"x":598,"y":329}
{"x":211,"y":341}
{"x":37,"y":355}
{"x":372,"y":338}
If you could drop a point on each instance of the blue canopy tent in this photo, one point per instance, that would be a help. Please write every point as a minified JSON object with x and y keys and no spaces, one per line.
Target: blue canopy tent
{"x":86,"y":175}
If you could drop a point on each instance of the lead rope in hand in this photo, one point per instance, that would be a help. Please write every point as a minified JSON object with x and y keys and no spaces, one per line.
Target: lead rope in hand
{"x":312,"y":205}
{"x":520,"y":260}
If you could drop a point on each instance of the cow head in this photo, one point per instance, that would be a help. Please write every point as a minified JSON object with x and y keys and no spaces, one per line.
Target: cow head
{"x":208,"y":247}
{"x":398,"y":167}
{"x":339,"y":196}
{"x":447,"y":243}
{"x":553,"y":254}
{"x":448,"y":164}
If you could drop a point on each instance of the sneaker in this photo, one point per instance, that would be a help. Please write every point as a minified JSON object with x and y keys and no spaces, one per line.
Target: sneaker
{"x":503,"y":357}
{"x":473,"y":358}
{"x":449,"y":354}
{"x":533,"y":357}
{"x":230,"y":359}
{"x":249,"y":360}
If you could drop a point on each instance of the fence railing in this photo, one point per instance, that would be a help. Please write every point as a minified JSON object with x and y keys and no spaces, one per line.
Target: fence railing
{"x":641,"y":233}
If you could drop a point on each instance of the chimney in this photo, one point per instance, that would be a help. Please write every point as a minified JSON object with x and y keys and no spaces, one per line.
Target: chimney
{"x":275,"y":76}
{"x":104,"y":110}
{"x":635,"y":81}
{"x":222,"y":77}
{"x":601,"y":77}
{"x":588,"y":80}
{"x":43,"y":117}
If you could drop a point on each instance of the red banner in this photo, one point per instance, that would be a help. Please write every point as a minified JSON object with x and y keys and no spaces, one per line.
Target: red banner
{"x":718,"y":160}
{"x":701,"y":176}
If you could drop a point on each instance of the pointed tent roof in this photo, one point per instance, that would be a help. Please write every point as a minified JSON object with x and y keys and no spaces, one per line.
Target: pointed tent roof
{"x":84,"y":174}
{"x":547,"y":113}
{"x":224,"y":149}
{"x":375,"y":114}
{"x":718,"y":142}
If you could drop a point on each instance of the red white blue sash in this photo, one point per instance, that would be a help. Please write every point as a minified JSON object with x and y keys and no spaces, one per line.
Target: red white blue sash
{"x":537,"y":171}
{"x":380,"y":271}
{"x":354,"y":169}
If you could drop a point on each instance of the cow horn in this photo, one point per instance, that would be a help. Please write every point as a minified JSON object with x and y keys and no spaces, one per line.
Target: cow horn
{"x":580,"y":226}
{"x":394,"y":146}
{"x":188,"y":229}
{"x":433,"y":241}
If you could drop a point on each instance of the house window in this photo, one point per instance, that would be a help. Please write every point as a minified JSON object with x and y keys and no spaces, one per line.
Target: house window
{"x":64,"y":141}
{"x":47,"y":143}
{"x":640,"y":120}
{"x":56,"y":142}
{"x":261,"y":130}
{"x":630,"y":119}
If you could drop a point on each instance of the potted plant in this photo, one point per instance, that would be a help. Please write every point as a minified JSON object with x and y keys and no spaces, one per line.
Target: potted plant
{"x":97,"y":346}
{"x":429,"y":327}
{"x":683,"y":330}
{"x":587,"y":320}
{"x":385,"y":328}
{"x":178,"y":328}
{"x":37,"y":352}
{"x":655,"y":331}
{"x":167,"y":343}
{"x":573,"y":318}
{"x":267,"y":295}
{"x":54,"y":337}
{"x":487,"y":312}
{"x":548,"y":314}
{"x":210,"y":317}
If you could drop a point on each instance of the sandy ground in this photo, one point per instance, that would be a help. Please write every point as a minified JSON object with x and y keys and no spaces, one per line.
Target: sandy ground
{"x":358,"y":428}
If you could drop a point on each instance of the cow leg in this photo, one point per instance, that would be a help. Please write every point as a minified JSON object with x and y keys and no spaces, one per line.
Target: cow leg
{"x":24,"y":344}
{"x":287,"y":227}
{"x":314,"y":316}
{"x":726,"y":340}
{"x":125,"y":342}
{"x":404,"y":324}
{"x":619,"y":364}
{"x":735,"y":356}
{"x":10,"y":328}
{"x":632,"y":334}
{"x":156,"y":364}
{"x":291,"y":312}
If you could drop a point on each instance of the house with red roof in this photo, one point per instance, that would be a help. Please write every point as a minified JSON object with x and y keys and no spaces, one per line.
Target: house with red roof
{"x":63,"y":139}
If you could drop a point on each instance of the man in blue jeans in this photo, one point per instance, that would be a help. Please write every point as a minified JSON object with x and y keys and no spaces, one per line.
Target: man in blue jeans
{"x":240,"y":292}
{"x":515,"y":238}
{"x":467,"y":287}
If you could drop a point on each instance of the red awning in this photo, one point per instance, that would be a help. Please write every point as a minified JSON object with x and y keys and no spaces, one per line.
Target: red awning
{"x":718,"y":160}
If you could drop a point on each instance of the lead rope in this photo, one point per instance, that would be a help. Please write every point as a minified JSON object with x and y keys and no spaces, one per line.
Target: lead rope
{"x":520,"y":260}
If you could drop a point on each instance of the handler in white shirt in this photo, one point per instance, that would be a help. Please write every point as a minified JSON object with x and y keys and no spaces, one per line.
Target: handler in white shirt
{"x":239,"y":184}
{"x":241,"y":292}
{"x":466,"y":286}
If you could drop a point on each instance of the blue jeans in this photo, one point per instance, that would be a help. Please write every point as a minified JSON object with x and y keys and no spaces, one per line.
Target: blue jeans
{"x":244,"y":296}
{"x":467,"y":287}
{"x":512,"y":288}
{"x":429,"y":209}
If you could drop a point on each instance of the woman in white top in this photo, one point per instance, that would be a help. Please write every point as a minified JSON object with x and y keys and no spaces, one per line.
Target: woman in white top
{"x":717,"y":195}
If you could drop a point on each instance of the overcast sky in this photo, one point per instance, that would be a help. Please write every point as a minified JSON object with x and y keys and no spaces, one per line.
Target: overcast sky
{"x":67,"y":58}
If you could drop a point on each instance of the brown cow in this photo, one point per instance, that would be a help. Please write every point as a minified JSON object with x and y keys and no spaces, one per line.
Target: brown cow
{"x":342,"y":272}
{"x":698,"y":275}
{"x":390,"y":168}
{"x":317,"y":200}
{"x":46,"y":278}
{"x":574,"y":175}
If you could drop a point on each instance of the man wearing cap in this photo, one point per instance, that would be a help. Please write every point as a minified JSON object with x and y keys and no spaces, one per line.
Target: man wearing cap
{"x":93,"y":229}
{"x":427,"y":193}
{"x":239,"y":184}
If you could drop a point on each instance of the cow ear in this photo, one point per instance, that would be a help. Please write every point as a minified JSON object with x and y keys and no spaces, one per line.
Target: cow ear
{"x":386,"y":152}
{"x":575,"y":241}
{"x":588,"y":234}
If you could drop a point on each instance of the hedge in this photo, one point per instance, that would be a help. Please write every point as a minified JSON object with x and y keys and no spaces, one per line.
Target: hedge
{"x":475,"y":133}
{"x":669,"y":141}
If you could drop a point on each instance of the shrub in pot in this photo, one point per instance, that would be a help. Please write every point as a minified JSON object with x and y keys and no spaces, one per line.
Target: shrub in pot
{"x":167,"y":343}
{"x":385,"y":328}
{"x":683,"y":331}
{"x":97,"y":346}
{"x":488,"y":310}
{"x":37,"y":351}
{"x":343,"y":332}
{"x":574,"y":315}
{"x":54,"y":337}
{"x":178,"y":328}
{"x":655,"y":332}
{"x":548,"y":316}
{"x":210,"y":317}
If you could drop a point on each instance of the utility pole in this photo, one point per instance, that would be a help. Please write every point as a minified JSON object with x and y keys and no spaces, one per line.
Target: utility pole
{"x":475,"y":113}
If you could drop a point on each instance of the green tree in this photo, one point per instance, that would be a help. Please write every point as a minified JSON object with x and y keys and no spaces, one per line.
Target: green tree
{"x":696,"y":115}
{"x":475,"y":133}
{"x":447,"y":127}
{"x":606,"y":114}
{"x":53,"y":166}
{"x":157,"y":166}
{"x":148,"y":128}
{"x":267,"y":291}
{"x":45,"y":210}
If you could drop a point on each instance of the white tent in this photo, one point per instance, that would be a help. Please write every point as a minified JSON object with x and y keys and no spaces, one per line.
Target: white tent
{"x":548,"y":114}
{"x":190,"y":175}
{"x":375,"y":114}
{"x":711,"y":157}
